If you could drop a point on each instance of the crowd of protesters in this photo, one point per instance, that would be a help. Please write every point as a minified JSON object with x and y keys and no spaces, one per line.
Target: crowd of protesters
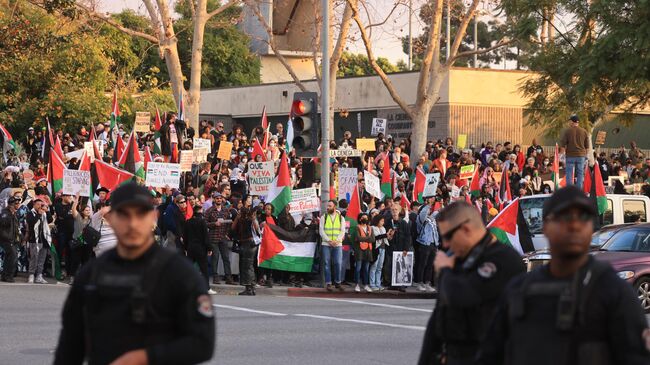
{"x":213,"y":215}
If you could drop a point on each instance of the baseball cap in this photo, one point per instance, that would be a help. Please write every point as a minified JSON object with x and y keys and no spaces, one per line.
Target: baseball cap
{"x":568,"y":197}
{"x":574,"y":118}
{"x":216,"y":194}
{"x":131,"y":194}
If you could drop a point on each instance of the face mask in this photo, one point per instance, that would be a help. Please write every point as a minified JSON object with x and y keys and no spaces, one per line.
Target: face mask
{"x":242,"y":153}
{"x":363,"y":221}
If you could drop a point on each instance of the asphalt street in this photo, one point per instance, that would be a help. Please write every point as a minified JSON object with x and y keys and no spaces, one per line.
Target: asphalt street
{"x":250,"y":330}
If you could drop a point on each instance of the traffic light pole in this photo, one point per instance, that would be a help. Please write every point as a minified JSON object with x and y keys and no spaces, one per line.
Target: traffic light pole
{"x":325,"y":108}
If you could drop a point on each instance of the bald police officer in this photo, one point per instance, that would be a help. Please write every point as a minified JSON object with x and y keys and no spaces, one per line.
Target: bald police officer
{"x":137,"y":303}
{"x":471,"y":275}
{"x":575,"y":309}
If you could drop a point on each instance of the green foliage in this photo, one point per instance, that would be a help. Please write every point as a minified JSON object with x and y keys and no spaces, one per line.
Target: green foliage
{"x":358,"y":65}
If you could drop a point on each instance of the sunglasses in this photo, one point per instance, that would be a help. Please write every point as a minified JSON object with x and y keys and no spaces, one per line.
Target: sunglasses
{"x":567,"y":217}
{"x":182,"y":202}
{"x":449,"y":235}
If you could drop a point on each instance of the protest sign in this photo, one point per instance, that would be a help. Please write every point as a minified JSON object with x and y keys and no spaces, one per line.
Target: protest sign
{"x":402,"y":274}
{"x":225,"y":149}
{"x":201,"y":142}
{"x":76,"y":182}
{"x":304,"y":201}
{"x":461,"y":142}
{"x":455,"y":191}
{"x":497,"y":176}
{"x":348,"y":179}
{"x":466,"y":172}
{"x":187,"y":156}
{"x":160,"y":175}
{"x":201,"y":154}
{"x":600,"y":137}
{"x":90,"y":151}
{"x":378,"y":126}
{"x":372,"y":184}
{"x":431,"y":185}
{"x":142,"y":122}
{"x":365,"y":144}
{"x":260,"y":176}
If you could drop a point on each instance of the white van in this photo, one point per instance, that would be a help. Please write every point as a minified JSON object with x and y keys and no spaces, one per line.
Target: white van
{"x":620,"y":209}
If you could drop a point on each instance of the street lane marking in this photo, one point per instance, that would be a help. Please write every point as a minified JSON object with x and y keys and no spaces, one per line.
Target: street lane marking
{"x":336,"y":319}
{"x":249,"y":310}
{"x":375,"y":304}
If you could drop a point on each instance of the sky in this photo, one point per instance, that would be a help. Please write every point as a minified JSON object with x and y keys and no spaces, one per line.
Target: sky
{"x":386,"y":38}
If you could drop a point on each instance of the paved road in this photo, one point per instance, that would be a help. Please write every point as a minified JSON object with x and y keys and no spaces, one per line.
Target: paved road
{"x":251,"y":330}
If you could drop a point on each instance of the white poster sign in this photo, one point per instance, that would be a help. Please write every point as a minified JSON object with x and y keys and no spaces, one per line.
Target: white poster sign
{"x":160,"y":175}
{"x":187,"y":157}
{"x":402,"y":274}
{"x":348,"y":179}
{"x":373,"y":186}
{"x":260,"y":176}
{"x":202,"y":142}
{"x":304,"y":201}
{"x":378,"y":126}
{"x":431,"y":185}
{"x":76,"y":182}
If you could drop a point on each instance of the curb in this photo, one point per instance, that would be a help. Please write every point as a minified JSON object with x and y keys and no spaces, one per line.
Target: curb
{"x":312,"y":292}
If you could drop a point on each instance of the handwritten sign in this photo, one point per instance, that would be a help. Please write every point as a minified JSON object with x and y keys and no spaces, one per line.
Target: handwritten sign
{"x":348,"y":179}
{"x":304,"y":201}
{"x":160,"y":175}
{"x":225,"y":149}
{"x":378,"y":126}
{"x":431,"y":185}
{"x":76,"y":182}
{"x":187,"y":157}
{"x":365,"y":144}
{"x":373,"y":186}
{"x":466,"y":172}
{"x":461,"y":142}
{"x":260,"y":176}
{"x":201,"y":154}
{"x":600,"y":137}
{"x":201,"y":142}
{"x":142,"y":122}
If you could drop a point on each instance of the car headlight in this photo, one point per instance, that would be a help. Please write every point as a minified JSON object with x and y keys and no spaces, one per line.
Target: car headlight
{"x":625,"y":274}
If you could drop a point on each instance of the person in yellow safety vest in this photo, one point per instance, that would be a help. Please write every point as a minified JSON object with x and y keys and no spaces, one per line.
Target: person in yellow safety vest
{"x":332,"y":230}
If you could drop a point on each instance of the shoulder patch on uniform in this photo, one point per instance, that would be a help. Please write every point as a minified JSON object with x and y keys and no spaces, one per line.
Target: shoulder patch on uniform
{"x":204,"y":305}
{"x":487,"y":270}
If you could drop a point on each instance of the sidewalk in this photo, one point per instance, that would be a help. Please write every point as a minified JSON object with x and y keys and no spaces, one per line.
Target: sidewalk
{"x":348,"y":292}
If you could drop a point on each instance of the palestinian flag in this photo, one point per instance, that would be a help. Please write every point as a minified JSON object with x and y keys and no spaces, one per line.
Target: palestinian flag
{"x":354,"y":208}
{"x":257,"y":150}
{"x":418,"y":186}
{"x":115,"y":120}
{"x":475,"y":186}
{"x":48,"y":142}
{"x":386,"y":182}
{"x":405,"y":203}
{"x":510,"y":228}
{"x":598,"y":190}
{"x":181,"y":107}
{"x":119,"y":149}
{"x":287,"y":251}
{"x":130,"y":159}
{"x":57,"y":147}
{"x":55,"y":172}
{"x":92,"y":133}
{"x":586,"y":184}
{"x":7,"y":141}
{"x":157,"y":146}
{"x":555,"y":176}
{"x":110,"y":177}
{"x":280,"y":190}
{"x":97,"y":154}
{"x":147,"y":157}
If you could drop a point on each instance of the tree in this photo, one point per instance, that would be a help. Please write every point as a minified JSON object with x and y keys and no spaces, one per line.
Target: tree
{"x":433,"y":69}
{"x":358,"y":65}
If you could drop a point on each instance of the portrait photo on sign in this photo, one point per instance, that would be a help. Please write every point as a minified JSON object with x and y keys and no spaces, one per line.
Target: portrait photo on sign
{"x":402,"y":274}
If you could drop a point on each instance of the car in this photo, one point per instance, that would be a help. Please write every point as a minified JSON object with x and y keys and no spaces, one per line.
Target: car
{"x":599,"y":238}
{"x":628,"y":251}
{"x":620,"y":209}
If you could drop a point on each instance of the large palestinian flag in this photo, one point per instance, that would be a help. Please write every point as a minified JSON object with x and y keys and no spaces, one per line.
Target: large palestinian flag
{"x":597,"y":190}
{"x":510,"y":228}
{"x":280,"y":190}
{"x":287,"y":251}
{"x":110,"y":177}
{"x":130,"y":159}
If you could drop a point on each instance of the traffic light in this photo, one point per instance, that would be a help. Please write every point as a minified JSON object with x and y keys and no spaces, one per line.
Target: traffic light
{"x":306,"y":124}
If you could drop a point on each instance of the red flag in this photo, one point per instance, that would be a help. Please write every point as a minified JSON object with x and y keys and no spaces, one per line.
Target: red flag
{"x":174,"y":158}
{"x":257,"y":150}
{"x":418,"y":187}
{"x":354,"y":208}
{"x":405,"y":203}
{"x":111,"y":177}
{"x":92,"y":134}
{"x":85,"y":163}
{"x":475,"y":186}
{"x":147,"y":157}
{"x":57,"y":148}
{"x":586,"y":187}
{"x":119,"y":149}
{"x":157,"y":121}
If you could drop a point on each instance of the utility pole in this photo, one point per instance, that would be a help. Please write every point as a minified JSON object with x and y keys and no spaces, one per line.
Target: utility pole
{"x":410,"y":35}
{"x":325,"y":108}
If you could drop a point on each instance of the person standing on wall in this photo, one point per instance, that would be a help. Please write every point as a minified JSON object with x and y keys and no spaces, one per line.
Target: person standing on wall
{"x":576,"y":142}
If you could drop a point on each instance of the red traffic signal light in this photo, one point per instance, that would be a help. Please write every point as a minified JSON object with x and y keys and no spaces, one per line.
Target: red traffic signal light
{"x":301,"y":107}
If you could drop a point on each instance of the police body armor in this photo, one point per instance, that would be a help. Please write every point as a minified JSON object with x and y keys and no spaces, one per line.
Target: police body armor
{"x":576,"y":338}
{"x":119,"y":313}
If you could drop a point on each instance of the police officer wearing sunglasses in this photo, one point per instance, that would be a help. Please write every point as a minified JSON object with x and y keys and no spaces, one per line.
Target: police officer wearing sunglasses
{"x":137,"y":303}
{"x":470,"y":277}
{"x":575,"y":309}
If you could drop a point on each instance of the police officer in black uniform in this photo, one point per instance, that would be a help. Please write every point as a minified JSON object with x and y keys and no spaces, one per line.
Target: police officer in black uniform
{"x":574,"y":310}
{"x":137,"y":303}
{"x":471,"y":275}
{"x":9,"y":238}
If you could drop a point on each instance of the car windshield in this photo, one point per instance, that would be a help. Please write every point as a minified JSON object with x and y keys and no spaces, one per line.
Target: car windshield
{"x":531,"y":209}
{"x":600,"y":237}
{"x":629,"y":240}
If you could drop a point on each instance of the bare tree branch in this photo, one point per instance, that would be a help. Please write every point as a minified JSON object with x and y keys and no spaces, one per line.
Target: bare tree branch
{"x":462,"y":30}
{"x":390,"y":13}
{"x":482,"y":51}
{"x":431,"y":58}
{"x":222,"y":8}
{"x":108,"y":20}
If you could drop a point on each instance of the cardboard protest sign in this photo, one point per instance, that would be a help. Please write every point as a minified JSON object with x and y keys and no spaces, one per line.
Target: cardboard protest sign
{"x":260,"y":176}
{"x":373,"y":186}
{"x":431,"y":185}
{"x":201,"y":154}
{"x":466,"y":172}
{"x":225,"y":149}
{"x":600,"y":137}
{"x":461,"y":142}
{"x":142,"y":122}
{"x":304,"y":201}
{"x":187,"y":157}
{"x":160,"y":175}
{"x":348,"y":179}
{"x":76,"y":182}
{"x":378,"y":126}
{"x":365,"y":144}
{"x":201,"y":142}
